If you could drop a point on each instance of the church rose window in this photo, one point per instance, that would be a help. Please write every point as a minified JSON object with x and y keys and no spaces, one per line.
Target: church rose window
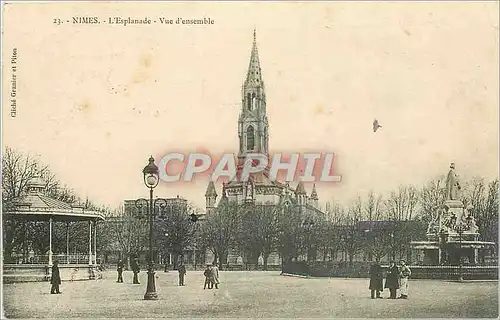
{"x":250,"y":138}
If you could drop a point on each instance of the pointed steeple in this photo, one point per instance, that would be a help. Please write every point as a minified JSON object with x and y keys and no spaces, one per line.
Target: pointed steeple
{"x":300,"y":188}
{"x":253,"y":127}
{"x":300,"y":194}
{"x":314,"y":194}
{"x":254,"y":75}
{"x":211,"y":190}
{"x":210,"y":198}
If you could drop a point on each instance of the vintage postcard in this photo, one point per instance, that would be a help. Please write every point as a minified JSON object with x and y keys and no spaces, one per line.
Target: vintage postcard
{"x":250,"y":159}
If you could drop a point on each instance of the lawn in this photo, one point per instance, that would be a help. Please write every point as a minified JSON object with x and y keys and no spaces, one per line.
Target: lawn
{"x":249,"y":295}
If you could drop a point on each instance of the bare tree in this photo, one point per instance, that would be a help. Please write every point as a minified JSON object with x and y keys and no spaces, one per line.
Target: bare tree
{"x":401,"y":204}
{"x":401,"y":207}
{"x":175,"y":230}
{"x":352,"y":236}
{"x":483,"y":198}
{"x":376,"y":239}
{"x":432,"y":197}
{"x":130,"y":230}
{"x":289,"y":231}
{"x":17,"y":170}
{"x":268,"y":230}
{"x":219,"y":230}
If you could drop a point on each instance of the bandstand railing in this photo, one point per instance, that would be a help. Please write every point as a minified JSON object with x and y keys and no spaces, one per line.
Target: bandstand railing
{"x":76,"y":258}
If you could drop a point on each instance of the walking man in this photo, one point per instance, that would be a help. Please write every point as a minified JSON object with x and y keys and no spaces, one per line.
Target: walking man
{"x":376,"y":285}
{"x":55,"y":279}
{"x":182,"y":273}
{"x":392,"y":279}
{"x":119,"y":268}
{"x":135,"y":269}
{"x":404,"y":274}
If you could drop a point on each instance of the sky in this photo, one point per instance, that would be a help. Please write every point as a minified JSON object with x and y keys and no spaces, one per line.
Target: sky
{"x":95,"y":101}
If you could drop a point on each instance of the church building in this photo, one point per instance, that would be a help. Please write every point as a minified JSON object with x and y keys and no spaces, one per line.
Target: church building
{"x":253,"y":134}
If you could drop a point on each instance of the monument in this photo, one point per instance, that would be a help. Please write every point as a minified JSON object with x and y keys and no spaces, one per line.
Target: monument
{"x":452,"y":236}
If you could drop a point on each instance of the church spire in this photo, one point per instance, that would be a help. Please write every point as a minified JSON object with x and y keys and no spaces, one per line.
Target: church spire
{"x":254,"y":76}
{"x":314,"y":194}
{"x":253,"y":126}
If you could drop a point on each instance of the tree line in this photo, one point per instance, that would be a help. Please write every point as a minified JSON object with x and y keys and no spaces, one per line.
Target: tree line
{"x":371,"y":224}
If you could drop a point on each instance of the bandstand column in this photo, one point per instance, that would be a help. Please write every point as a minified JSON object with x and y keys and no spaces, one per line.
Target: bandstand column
{"x":67,"y":242}
{"x":50,"y":241}
{"x":476,"y":254}
{"x":90,"y":242}
{"x":95,"y":242}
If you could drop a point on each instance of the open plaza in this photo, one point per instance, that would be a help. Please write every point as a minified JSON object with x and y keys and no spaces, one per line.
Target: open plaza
{"x":248,"y":295}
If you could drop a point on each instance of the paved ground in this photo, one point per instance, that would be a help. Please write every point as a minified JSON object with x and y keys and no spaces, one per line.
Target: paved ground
{"x":248,"y":295}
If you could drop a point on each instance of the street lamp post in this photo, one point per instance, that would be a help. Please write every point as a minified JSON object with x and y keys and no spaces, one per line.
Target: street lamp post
{"x":151,"y":179}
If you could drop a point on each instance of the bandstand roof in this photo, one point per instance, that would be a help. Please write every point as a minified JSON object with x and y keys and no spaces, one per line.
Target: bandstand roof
{"x":35,"y":205}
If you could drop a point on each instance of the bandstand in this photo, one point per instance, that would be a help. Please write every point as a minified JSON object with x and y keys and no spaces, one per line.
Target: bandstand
{"x":36,"y":206}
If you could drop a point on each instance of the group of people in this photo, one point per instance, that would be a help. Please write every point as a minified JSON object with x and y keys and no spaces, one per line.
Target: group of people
{"x":211,"y":273}
{"x":134,"y":265}
{"x":396,"y":278}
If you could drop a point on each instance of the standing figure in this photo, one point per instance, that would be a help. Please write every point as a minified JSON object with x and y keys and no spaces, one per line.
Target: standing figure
{"x":405,"y":274}
{"x":392,"y":279}
{"x":215,"y":275}
{"x":55,"y":279}
{"x":182,"y":273}
{"x":119,"y":268}
{"x":208,"y":277}
{"x":376,"y":281}
{"x":135,"y":269}
{"x":452,"y":184}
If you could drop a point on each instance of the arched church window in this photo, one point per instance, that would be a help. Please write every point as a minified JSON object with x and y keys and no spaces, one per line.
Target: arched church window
{"x":249,"y":101}
{"x":250,"y":138}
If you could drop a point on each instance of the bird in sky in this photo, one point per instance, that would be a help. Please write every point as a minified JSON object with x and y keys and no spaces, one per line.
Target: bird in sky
{"x":376,"y":125}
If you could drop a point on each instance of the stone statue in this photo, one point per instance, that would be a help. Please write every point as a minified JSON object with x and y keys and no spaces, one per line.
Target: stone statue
{"x":254,"y":103}
{"x":471,"y":223}
{"x":452,"y":184}
{"x":451,"y":222}
{"x":433,"y":226}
